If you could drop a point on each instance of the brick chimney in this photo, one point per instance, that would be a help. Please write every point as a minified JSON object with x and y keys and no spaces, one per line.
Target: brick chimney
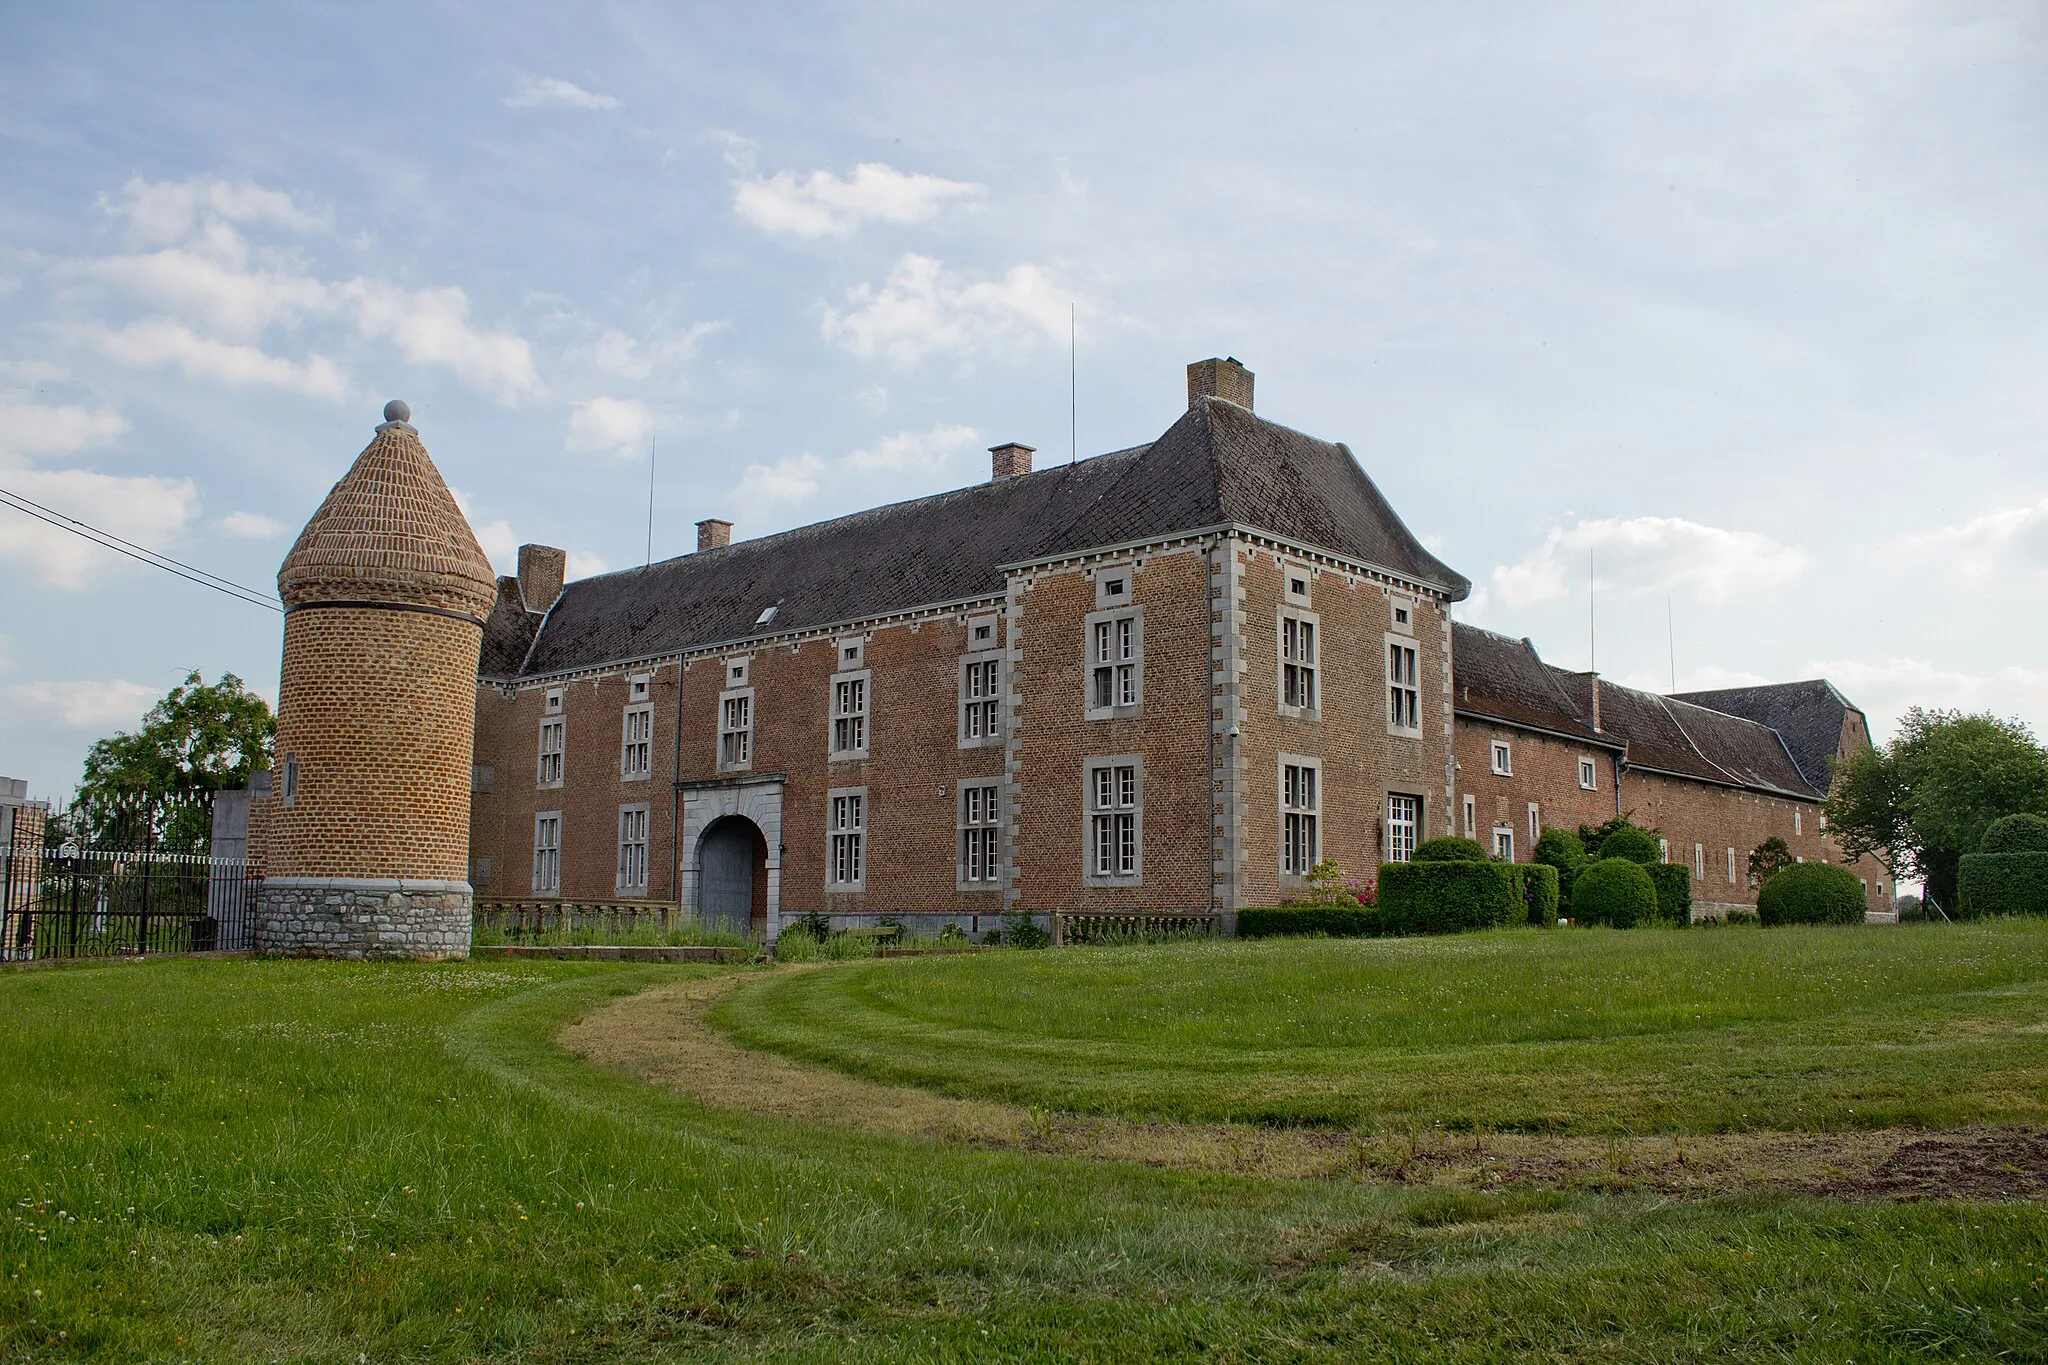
{"x":541,"y":571}
{"x":1009,"y":460}
{"x":713,"y":534}
{"x":1225,"y":379}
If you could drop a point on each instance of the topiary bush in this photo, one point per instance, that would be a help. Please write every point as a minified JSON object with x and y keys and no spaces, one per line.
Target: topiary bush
{"x":2002,"y":884}
{"x":2016,"y":834}
{"x":1450,"y":850}
{"x":1449,"y":897}
{"x":1637,"y":845}
{"x":1566,"y":853}
{"x":1674,"y":891}
{"x":1811,"y":893}
{"x":1615,"y":892}
{"x":1302,"y":921}
{"x":1537,"y":886}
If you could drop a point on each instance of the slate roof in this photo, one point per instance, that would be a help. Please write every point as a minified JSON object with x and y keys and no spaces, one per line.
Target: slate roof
{"x":1218,"y":463}
{"x":1809,"y":715}
{"x":1494,"y":676}
{"x":508,"y":631}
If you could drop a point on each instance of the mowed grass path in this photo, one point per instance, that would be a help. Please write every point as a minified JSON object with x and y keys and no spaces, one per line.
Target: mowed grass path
{"x":347,"y":1162}
{"x":1700,"y":1030}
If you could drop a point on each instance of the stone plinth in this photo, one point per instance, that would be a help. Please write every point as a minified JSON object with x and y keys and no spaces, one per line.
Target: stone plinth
{"x":363,"y":917}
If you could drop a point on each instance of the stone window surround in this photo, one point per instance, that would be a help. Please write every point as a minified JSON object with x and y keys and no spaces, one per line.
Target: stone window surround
{"x":743,"y":764}
{"x":864,"y":713}
{"x":1471,"y":817}
{"x":994,"y":787}
{"x":645,"y":844}
{"x":1421,"y":832}
{"x":981,"y":632}
{"x":558,"y":725}
{"x":1115,"y":710}
{"x":1535,"y":824}
{"x":1314,"y":662}
{"x":1314,"y":811}
{"x":1589,"y":774}
{"x":1411,"y":685}
{"x":1501,"y":758}
{"x":547,"y":870}
{"x":1089,"y":767}
{"x":993,"y":734}
{"x":1292,"y":573}
{"x":1504,"y":843}
{"x":856,"y":831}
{"x":644,"y":770}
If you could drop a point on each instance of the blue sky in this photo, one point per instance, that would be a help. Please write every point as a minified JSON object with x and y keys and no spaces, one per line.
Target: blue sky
{"x":1747,"y":300}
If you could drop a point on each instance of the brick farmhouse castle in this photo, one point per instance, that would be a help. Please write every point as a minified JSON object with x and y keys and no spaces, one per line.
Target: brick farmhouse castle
{"x":1169,"y":678}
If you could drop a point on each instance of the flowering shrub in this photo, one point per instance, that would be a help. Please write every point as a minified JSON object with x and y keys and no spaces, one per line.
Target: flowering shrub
{"x":1328,"y":888}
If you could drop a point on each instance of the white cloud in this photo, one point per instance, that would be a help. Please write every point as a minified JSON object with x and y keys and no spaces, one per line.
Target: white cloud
{"x":100,"y":707}
{"x":738,"y":152}
{"x":215,"y":282}
{"x":582,"y":564}
{"x":146,"y":510}
{"x":251,"y":526}
{"x":158,"y":343}
{"x":2007,"y":537}
{"x":499,"y":544}
{"x":1633,"y":556}
{"x":164,"y":211}
{"x":823,"y":205}
{"x":1885,"y":690}
{"x":33,"y":371}
{"x":615,"y":353}
{"x":536,"y":91}
{"x":790,"y":479}
{"x":432,"y":327}
{"x":40,"y":429}
{"x":923,"y":308}
{"x":610,"y":426}
{"x":913,"y":452}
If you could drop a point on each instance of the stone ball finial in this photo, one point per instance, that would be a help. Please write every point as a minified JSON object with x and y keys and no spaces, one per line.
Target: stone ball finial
{"x":397,"y":411}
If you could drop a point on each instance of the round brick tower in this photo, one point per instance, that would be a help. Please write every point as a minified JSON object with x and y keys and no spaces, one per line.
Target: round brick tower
{"x":367,"y":835}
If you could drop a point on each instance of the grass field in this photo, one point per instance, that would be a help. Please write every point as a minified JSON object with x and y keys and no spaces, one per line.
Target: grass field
{"x":1585,"y":1031}
{"x":323,"y":1161}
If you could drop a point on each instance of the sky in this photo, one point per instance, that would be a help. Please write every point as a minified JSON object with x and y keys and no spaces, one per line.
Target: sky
{"x":1743,"y":305}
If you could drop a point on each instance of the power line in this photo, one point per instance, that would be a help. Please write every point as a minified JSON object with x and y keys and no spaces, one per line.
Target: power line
{"x":108,"y":540}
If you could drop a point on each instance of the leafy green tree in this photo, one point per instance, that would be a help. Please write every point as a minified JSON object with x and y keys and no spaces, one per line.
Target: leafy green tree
{"x":1926,"y":798}
{"x":1770,"y":856}
{"x":200,"y":738}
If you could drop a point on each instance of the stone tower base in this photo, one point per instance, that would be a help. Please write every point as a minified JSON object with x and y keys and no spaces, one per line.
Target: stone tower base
{"x":362,"y":917}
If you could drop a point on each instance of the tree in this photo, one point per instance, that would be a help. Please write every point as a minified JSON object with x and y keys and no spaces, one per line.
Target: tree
{"x":1772,"y":855}
{"x":200,"y":738}
{"x":1929,"y":795}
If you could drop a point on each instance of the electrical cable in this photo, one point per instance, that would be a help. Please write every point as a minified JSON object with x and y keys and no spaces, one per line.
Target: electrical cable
{"x":108,"y":540}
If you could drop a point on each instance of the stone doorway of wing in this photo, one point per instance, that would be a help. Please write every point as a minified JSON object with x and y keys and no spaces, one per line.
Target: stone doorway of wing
{"x":732,"y":887}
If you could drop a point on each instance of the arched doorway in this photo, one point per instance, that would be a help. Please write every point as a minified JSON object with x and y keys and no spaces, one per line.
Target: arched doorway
{"x":733,"y":885}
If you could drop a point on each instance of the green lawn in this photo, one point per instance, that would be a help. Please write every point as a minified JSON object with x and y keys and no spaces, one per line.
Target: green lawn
{"x":1700,"y":1030}
{"x":323,"y":1161}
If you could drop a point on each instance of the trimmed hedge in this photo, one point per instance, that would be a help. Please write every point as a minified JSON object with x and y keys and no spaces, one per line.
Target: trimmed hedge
{"x":1537,"y":885}
{"x":1450,"y":898}
{"x":1294,"y":921}
{"x":1636,"y":845}
{"x":1616,"y":892}
{"x":1565,"y":852}
{"x":2002,"y":884}
{"x":1450,"y":849}
{"x":1811,"y":893}
{"x":1674,"y":891}
{"x":2016,"y":834}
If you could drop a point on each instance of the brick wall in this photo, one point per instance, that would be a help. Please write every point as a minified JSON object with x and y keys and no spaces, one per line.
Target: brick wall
{"x":1543,"y":769}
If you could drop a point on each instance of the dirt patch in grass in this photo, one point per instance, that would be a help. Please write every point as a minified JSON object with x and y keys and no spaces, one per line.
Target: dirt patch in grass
{"x":663,"y":1036}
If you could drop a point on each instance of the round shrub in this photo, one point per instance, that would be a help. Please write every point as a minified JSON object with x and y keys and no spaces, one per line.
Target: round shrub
{"x":1614,"y":891}
{"x":1638,"y":846}
{"x":2016,"y":834}
{"x":1450,"y":850}
{"x":1811,"y":893}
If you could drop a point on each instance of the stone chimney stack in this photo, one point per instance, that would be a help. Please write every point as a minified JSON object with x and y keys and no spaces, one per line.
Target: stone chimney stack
{"x":1008,"y":460}
{"x":713,"y":534}
{"x":1225,"y":379}
{"x":542,"y":570}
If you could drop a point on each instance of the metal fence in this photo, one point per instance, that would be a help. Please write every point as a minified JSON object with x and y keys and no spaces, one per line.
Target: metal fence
{"x":124,"y":895}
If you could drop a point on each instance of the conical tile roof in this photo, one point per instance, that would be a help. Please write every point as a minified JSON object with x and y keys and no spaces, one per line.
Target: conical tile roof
{"x":390,"y":532}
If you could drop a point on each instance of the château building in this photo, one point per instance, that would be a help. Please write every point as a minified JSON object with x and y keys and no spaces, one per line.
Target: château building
{"x":1172,"y":677}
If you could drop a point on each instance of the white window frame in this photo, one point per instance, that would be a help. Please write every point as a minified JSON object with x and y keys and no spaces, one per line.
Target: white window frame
{"x":1403,"y":825}
{"x":1798,"y":821}
{"x":982,"y":633}
{"x":1504,"y":843}
{"x":1300,"y":792}
{"x":846,"y":839}
{"x":547,"y":853}
{"x":980,"y":722}
{"x":636,"y":742}
{"x":1471,"y":817}
{"x":1699,"y":862}
{"x":1500,"y":758}
{"x":1404,"y":686}
{"x":1663,"y":850}
{"x":634,"y":849}
{"x":736,"y":740}
{"x":551,"y":759}
{"x":1731,"y":866}
{"x":1535,"y":824}
{"x":1122,"y":633}
{"x":978,"y":847}
{"x":1113,"y":829}
{"x":1299,"y":653}
{"x":1115,"y":587}
{"x":849,"y":708}
{"x":1589,"y":774}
